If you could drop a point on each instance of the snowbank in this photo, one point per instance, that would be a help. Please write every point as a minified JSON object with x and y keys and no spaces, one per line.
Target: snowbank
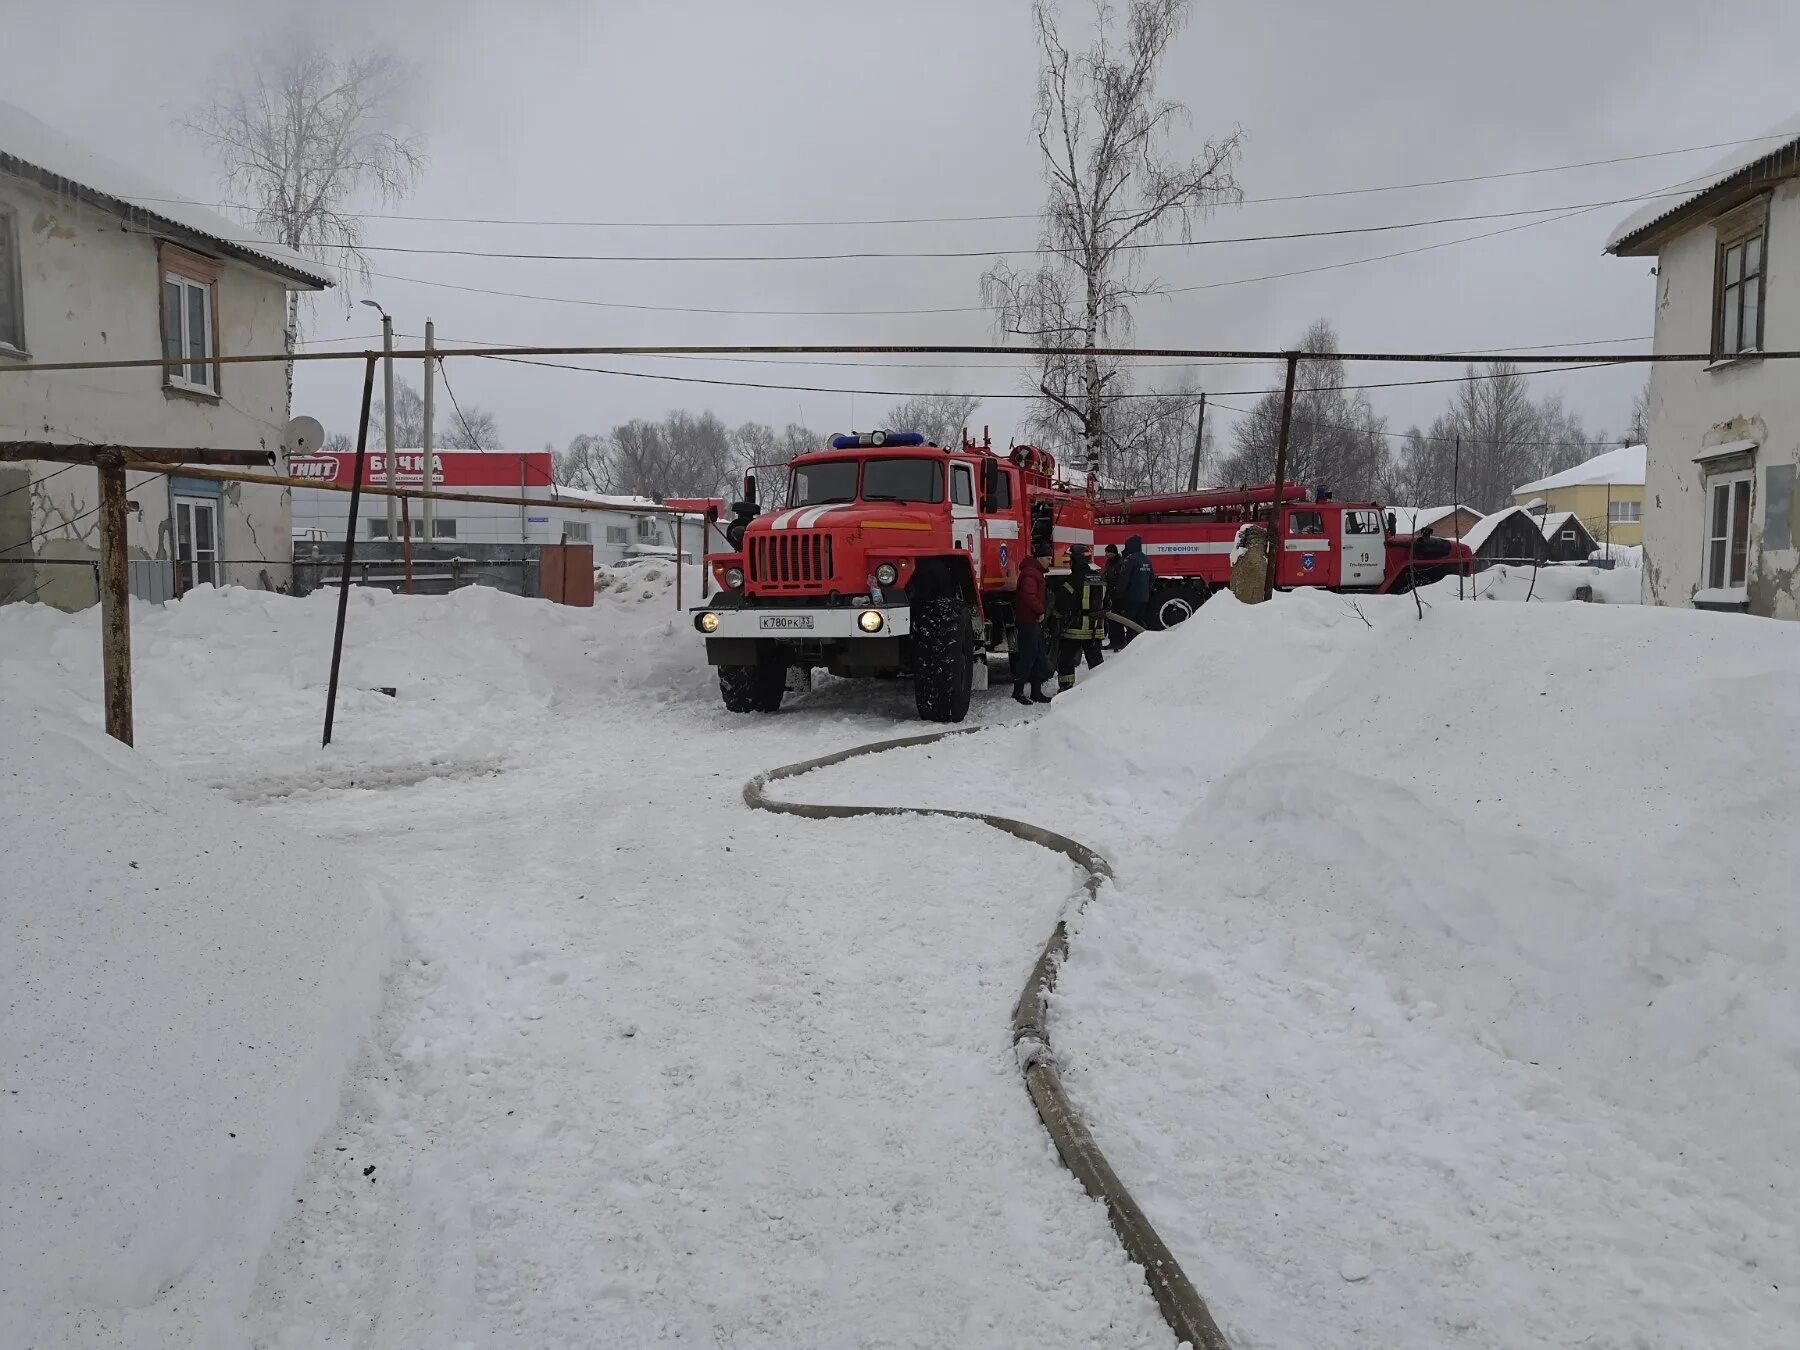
{"x":1553,"y":583}
{"x":1407,"y":1035}
{"x":185,"y":987}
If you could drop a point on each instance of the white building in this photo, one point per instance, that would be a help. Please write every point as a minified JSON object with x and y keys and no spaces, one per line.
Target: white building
{"x":548,"y":513}
{"x":1721,"y":517}
{"x":97,"y":263}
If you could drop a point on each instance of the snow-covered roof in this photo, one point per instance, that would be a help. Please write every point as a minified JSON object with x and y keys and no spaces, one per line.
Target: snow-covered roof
{"x":1477,"y":535}
{"x":29,"y":148}
{"x":1622,"y":466}
{"x":1555,"y":520}
{"x":1412,"y":519}
{"x":625,"y":503}
{"x":1741,"y":163}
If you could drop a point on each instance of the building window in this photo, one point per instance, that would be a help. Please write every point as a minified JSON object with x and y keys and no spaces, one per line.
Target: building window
{"x":443,"y":527}
{"x":196,"y":543}
{"x":1727,"y":531}
{"x":1568,"y":536}
{"x":617,"y":534}
{"x":416,"y":527}
{"x":190,"y":319}
{"x":1737,"y":316}
{"x":12,"y":299}
{"x":649,"y":529}
{"x":1624,"y":513}
{"x":576,"y":532}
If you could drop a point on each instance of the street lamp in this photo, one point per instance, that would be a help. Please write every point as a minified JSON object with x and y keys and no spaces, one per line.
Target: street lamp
{"x":387,"y":413}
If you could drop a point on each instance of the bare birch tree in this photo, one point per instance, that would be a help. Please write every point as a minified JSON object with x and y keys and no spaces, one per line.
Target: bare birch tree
{"x":1103,"y":132}
{"x":303,"y":134}
{"x":941,"y":417}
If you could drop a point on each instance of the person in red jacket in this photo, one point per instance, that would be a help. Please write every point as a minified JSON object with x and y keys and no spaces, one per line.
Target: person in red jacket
{"x":1031,"y":663}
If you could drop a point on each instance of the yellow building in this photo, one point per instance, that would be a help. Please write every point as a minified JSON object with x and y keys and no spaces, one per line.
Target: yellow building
{"x":1605,"y":492}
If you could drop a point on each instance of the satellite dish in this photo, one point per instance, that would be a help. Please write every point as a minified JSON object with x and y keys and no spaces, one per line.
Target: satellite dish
{"x":304,"y":436}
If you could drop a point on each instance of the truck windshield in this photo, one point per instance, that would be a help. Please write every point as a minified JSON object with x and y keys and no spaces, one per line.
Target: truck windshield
{"x":817,"y":484}
{"x":903,"y":480}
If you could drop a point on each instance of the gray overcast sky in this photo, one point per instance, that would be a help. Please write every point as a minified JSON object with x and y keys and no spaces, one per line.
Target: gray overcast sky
{"x":823,"y":109}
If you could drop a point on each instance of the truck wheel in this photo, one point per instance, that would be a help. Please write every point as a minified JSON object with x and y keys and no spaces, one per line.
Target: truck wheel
{"x":756,"y":688}
{"x":943,"y":650}
{"x":1175,"y":603}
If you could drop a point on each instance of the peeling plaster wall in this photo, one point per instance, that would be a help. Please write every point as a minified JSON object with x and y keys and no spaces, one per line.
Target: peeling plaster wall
{"x":1693,"y":408}
{"x":91,"y":291}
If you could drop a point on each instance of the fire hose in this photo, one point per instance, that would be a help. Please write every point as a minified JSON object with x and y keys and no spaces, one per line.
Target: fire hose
{"x":1177,"y":1299}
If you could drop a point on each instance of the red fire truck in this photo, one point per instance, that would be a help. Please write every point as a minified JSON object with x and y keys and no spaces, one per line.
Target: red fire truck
{"x":1319,"y":541}
{"x":891,"y":556}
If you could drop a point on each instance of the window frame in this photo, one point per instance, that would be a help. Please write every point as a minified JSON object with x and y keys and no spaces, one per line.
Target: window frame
{"x":1734,"y":232}
{"x":12,"y":272}
{"x":618,"y":535}
{"x":184,"y":269}
{"x":962,"y":480}
{"x":649,"y":530}
{"x":1728,"y":482}
{"x":1613,"y":516}
{"x":191,"y":568}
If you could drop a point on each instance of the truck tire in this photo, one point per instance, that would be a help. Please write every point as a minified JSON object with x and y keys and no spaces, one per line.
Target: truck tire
{"x":757,"y":688}
{"x":1175,"y":603}
{"x":943,"y":652}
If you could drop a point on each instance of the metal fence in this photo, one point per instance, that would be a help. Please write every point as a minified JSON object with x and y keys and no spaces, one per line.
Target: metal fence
{"x":431,"y":575}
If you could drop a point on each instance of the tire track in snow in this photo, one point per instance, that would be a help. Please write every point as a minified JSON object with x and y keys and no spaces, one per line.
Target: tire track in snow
{"x":1181,"y":1305}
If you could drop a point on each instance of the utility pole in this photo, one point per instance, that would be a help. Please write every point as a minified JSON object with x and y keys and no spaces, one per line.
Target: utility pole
{"x":115,"y":596}
{"x":387,"y":417}
{"x":1199,"y":437}
{"x":343,"y":599}
{"x":1276,"y":542}
{"x":430,"y":392}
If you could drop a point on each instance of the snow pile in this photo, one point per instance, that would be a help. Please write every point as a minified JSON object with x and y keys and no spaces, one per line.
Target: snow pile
{"x":184,"y":989}
{"x":1554,"y":583}
{"x":468,"y":670}
{"x":1412,"y":1026}
{"x":1622,"y":555}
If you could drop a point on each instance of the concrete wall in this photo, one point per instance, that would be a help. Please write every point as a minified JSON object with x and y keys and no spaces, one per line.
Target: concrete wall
{"x":1693,"y":407}
{"x":91,"y":292}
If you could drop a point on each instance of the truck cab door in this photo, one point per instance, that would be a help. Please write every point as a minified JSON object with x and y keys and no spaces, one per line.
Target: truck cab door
{"x":1364,"y":547}
{"x":965,"y":519}
{"x":1307,"y":549}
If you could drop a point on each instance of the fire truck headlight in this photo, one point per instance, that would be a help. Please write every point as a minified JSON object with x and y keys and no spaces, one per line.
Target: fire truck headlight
{"x":870,"y":621}
{"x":734,"y":578}
{"x":707,"y":622}
{"x":887,"y":574}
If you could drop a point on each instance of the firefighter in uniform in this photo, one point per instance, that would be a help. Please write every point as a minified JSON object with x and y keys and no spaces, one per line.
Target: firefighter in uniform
{"x":1080,"y":611}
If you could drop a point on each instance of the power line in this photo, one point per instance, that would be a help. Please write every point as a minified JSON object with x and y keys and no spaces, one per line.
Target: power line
{"x":1027,"y":355}
{"x":978,"y":219}
{"x":1576,"y":208}
{"x":467,"y":434}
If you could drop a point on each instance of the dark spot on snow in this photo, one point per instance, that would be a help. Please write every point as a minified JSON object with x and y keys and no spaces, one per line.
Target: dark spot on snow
{"x":369,"y":1170}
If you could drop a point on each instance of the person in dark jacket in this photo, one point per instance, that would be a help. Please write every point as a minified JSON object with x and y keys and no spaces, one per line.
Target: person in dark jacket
{"x":1080,"y":606}
{"x":1030,"y":603}
{"x":1137,"y":578}
{"x":1110,"y":575}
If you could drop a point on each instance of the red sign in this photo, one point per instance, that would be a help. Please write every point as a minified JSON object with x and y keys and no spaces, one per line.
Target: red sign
{"x":451,"y":468}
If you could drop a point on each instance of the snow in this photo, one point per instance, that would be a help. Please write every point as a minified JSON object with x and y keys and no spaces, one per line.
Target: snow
{"x":650,"y":1069}
{"x":1621,"y":555}
{"x":1777,"y":138}
{"x":1624,"y":466}
{"x":1552,"y":521}
{"x":1554,"y":583}
{"x":186,"y":985}
{"x":1446,"y":993}
{"x":25,"y":138}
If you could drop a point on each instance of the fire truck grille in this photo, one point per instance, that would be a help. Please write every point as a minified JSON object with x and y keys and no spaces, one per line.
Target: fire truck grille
{"x":791,"y":559}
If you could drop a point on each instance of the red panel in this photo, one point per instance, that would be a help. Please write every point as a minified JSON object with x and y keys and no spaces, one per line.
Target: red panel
{"x":454,"y":468}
